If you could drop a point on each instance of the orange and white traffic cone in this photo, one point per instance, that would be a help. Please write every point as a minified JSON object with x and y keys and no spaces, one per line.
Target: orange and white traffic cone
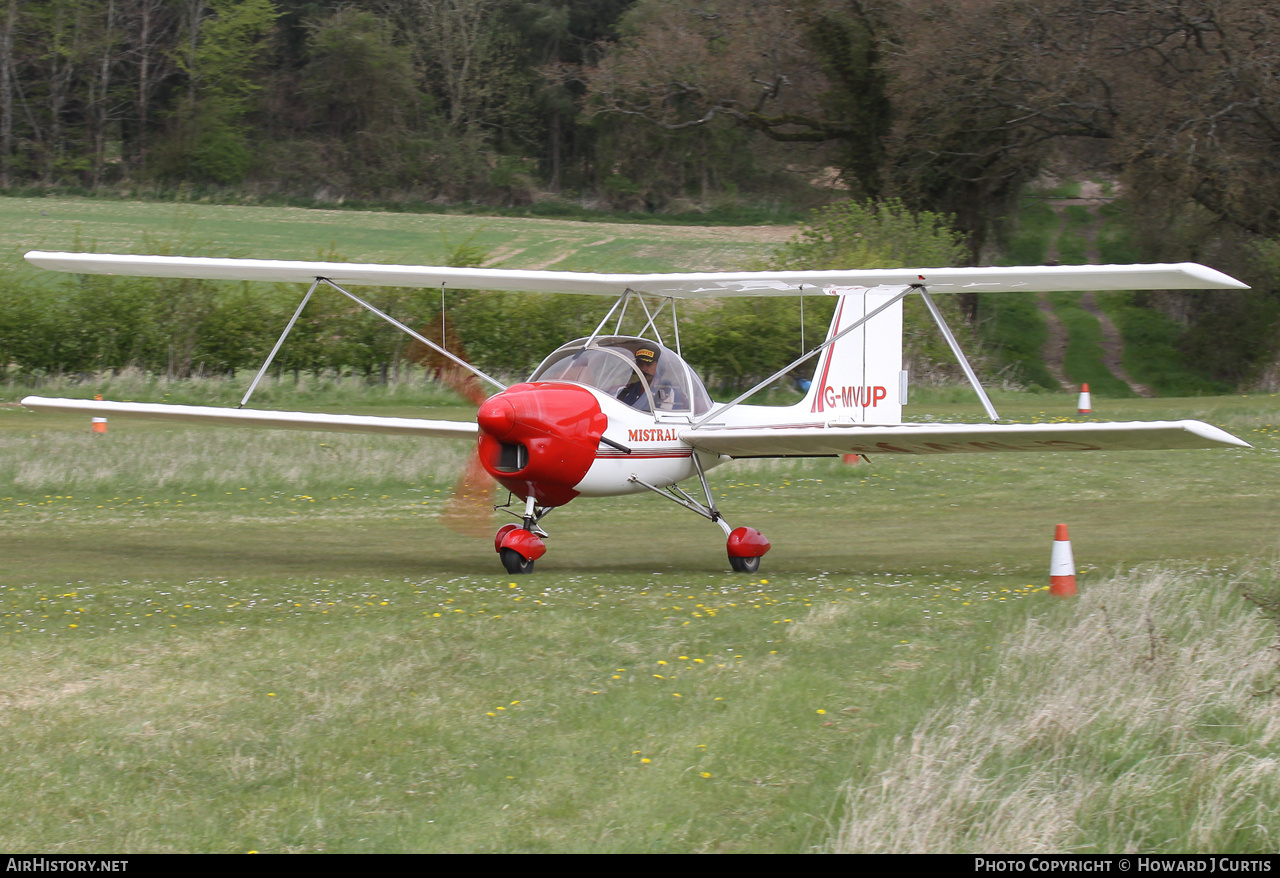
{"x":1062,"y":567}
{"x":99,"y":424}
{"x":1085,"y":406}
{"x":851,"y":459}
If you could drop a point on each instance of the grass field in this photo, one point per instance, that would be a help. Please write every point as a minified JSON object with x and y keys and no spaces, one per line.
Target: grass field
{"x":227,"y":641}
{"x":296,"y":233}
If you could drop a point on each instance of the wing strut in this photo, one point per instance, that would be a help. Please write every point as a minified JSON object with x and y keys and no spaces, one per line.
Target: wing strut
{"x":426,"y":341}
{"x":955,"y":349}
{"x":271,"y":356}
{"x":621,"y":300}
{"x":387,"y":317}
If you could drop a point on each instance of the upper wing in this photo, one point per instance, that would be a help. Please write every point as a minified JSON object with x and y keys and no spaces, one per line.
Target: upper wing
{"x":257,"y":418}
{"x":951,"y":438}
{"x":1182,"y":276}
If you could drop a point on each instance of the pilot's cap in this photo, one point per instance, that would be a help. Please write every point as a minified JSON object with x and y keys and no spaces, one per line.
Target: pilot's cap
{"x":645,"y":356}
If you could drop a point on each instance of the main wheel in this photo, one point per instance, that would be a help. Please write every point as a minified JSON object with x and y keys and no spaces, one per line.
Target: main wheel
{"x":744,"y":565}
{"x":517,"y":563}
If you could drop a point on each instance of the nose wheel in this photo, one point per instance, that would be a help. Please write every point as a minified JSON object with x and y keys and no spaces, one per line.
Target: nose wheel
{"x":515,"y":562}
{"x":519,"y":545}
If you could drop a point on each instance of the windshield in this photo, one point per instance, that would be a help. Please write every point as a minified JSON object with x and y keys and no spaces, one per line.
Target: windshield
{"x":610,"y":365}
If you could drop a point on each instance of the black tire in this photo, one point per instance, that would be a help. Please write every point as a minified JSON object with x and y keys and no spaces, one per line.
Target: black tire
{"x":744,"y":565}
{"x":515,"y":562}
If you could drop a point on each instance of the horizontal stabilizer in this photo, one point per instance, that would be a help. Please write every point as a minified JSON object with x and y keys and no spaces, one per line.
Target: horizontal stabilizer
{"x":1025,"y":279}
{"x":958,"y":438}
{"x":199,"y":414}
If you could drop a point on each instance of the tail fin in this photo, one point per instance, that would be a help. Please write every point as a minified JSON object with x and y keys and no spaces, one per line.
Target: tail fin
{"x":859,"y":379}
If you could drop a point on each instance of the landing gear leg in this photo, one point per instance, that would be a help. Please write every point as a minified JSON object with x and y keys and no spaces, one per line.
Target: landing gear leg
{"x":745,"y":545}
{"x":519,"y":545}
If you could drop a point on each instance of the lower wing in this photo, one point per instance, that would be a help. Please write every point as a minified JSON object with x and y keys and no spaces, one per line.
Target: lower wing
{"x":957,"y":438}
{"x":199,"y":414}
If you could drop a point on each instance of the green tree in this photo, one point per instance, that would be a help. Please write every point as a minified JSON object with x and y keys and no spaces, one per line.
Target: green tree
{"x":357,"y":81}
{"x":223,"y":48}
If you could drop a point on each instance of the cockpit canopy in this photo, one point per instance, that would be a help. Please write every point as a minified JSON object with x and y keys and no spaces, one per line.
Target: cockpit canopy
{"x":608,"y":363}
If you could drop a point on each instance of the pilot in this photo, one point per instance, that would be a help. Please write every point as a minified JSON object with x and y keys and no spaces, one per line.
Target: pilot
{"x":633,"y":394}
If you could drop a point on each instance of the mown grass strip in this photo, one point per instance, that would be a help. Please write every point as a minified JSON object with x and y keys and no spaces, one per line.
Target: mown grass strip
{"x":1083,"y":358}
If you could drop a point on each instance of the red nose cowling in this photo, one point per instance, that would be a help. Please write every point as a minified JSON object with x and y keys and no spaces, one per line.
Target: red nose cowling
{"x":540,"y":439}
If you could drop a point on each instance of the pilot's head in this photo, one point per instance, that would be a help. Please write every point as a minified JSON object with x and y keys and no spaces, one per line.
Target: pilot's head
{"x":647,"y":361}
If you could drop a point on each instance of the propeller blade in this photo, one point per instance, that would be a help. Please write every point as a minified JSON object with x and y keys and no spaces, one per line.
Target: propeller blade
{"x":453,"y":376}
{"x":470,"y":511}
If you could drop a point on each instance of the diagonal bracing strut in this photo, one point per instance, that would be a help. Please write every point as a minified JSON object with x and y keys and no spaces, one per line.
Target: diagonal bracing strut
{"x":367,"y":306}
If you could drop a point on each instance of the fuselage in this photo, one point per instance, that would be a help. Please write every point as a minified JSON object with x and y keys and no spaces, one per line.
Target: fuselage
{"x":565,"y":433}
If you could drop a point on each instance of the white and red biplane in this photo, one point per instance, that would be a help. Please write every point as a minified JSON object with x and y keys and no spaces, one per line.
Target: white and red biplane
{"x":614,"y":414}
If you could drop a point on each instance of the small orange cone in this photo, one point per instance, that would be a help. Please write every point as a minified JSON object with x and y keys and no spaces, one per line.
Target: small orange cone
{"x":99,"y":424}
{"x":851,"y":459}
{"x":1085,"y":406}
{"x":1062,"y":567}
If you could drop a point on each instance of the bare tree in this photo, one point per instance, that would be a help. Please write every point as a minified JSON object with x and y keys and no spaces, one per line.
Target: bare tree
{"x":151,"y":28}
{"x":449,"y":41}
{"x":6,"y":91}
{"x":799,"y":73}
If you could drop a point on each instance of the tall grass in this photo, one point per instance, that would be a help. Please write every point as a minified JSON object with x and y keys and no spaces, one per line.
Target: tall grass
{"x":1152,"y":351}
{"x":224,"y":460}
{"x":1141,"y":717}
{"x":411,"y":387}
